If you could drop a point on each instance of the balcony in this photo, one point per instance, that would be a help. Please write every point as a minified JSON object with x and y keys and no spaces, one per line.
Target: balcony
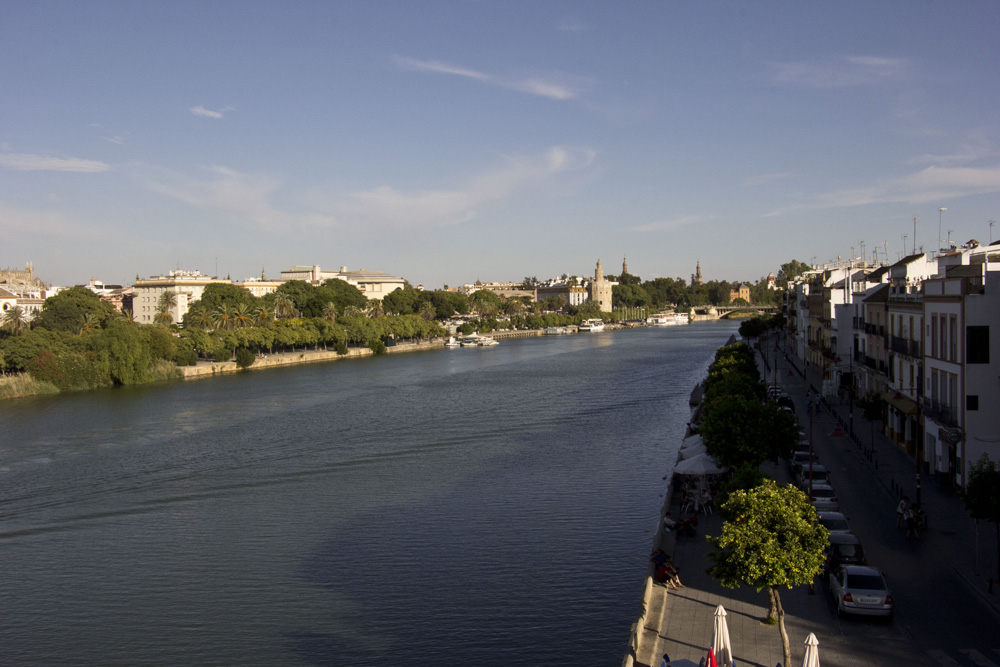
{"x":943,"y":414}
{"x":905,"y":346}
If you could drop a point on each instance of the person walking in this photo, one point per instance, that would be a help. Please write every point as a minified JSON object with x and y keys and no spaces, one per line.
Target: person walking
{"x":904,"y":504}
{"x":911,"y":523}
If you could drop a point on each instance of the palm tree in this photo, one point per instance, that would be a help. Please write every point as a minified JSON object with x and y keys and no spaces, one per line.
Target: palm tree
{"x":90,"y":322}
{"x":352,"y":311}
{"x":15,"y":320}
{"x":374,"y":308}
{"x":201,"y":317}
{"x":330,"y":311}
{"x":284,"y":307}
{"x":224,"y":317}
{"x":163,"y":316}
{"x":263,"y":315}
{"x":128,"y":315}
{"x":428,"y":311}
{"x":242,"y":316}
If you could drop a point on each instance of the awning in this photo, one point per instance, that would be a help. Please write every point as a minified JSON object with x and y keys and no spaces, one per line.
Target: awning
{"x":905,"y":405}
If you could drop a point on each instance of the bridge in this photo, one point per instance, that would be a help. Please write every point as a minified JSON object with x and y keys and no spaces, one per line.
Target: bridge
{"x":724,"y":312}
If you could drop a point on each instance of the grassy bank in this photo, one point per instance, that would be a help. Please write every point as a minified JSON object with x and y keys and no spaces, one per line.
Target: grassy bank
{"x":19,"y":385}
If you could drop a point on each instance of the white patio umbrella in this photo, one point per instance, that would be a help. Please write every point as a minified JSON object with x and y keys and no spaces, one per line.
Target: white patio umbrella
{"x":698,"y":466}
{"x":691,"y":441}
{"x":811,"y":658}
{"x":688,"y":452}
{"x":720,"y":643}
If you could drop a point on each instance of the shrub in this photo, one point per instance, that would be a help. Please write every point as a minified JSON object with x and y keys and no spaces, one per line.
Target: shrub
{"x":244,"y":357}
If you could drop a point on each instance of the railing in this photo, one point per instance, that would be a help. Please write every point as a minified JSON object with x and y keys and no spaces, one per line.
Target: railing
{"x":910,"y":348}
{"x":940,"y":412}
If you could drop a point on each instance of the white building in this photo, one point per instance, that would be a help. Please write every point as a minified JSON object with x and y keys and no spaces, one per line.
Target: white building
{"x":187,"y":287}
{"x":373,"y":284}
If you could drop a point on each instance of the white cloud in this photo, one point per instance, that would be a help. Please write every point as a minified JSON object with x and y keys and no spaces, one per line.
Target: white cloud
{"x":570,"y":25}
{"x":208,"y":113}
{"x":673,"y":223}
{"x":22,"y":162}
{"x":386,"y":207}
{"x":249,"y":198}
{"x":553,"y":86}
{"x":934,"y":184}
{"x":837,"y":72}
{"x":766,"y":179}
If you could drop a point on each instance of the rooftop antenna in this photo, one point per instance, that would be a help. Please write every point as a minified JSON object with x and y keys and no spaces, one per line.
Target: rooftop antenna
{"x":992,"y":222}
{"x":905,"y":236}
{"x":915,"y":218}
{"x":940,"y":213}
{"x":885,"y":250}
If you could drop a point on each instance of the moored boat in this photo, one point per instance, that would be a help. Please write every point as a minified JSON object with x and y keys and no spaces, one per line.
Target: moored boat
{"x":592,"y":325}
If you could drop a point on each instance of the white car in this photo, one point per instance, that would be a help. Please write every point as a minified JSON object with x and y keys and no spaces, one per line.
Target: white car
{"x":824,"y":498}
{"x":862,"y":590}
{"x":835,"y":522}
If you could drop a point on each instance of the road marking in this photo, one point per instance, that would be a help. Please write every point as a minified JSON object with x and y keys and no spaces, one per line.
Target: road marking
{"x":977,"y":657}
{"x":942,"y":658}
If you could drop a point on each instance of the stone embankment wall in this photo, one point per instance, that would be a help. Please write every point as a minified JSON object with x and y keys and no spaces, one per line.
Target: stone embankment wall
{"x":210,"y":368}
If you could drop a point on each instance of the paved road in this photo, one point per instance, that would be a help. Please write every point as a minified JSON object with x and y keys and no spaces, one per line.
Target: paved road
{"x":944,"y":614}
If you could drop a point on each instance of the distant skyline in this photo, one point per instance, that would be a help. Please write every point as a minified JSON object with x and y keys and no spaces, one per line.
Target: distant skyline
{"x":448,"y":142}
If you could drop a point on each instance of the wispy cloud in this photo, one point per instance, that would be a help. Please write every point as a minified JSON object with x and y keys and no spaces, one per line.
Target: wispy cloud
{"x":23,"y":162}
{"x":672,"y":223}
{"x":569,"y":24}
{"x":256,"y":199}
{"x":844,"y":72}
{"x":553,"y":86}
{"x":934,"y":184}
{"x":766,"y":179}
{"x":208,"y":113}
{"x":387,"y":207}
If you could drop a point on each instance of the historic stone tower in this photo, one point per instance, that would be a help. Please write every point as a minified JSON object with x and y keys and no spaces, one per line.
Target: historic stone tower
{"x":624,"y":265}
{"x":600,"y":289}
{"x":696,"y":278}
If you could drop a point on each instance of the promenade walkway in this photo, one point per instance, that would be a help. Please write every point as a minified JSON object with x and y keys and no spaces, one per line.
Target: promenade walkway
{"x":680,"y":622}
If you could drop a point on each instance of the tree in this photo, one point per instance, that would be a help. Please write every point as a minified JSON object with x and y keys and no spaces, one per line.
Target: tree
{"x":982,"y":496}
{"x":529,"y":282}
{"x":15,"y":320}
{"x":330,"y":311}
{"x":790,"y":271}
{"x":284,"y":307}
{"x":770,"y":538}
{"x":65,"y":310}
{"x":216,"y":294}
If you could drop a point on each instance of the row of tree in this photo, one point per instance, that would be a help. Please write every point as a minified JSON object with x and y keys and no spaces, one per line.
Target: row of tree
{"x":771,"y":536}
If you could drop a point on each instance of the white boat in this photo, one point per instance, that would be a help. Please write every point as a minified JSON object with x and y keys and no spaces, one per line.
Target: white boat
{"x":452,"y":342}
{"x":475,"y":340}
{"x":667,"y":320}
{"x":596,"y":324}
{"x":556,"y":331}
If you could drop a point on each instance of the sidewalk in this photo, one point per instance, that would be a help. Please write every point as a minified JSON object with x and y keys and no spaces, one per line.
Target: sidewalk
{"x":680,"y":622}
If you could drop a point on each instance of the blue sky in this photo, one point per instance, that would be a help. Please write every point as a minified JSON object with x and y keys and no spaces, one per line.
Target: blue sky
{"x":450,"y":141}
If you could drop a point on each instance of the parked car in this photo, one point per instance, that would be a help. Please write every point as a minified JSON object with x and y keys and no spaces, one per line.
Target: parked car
{"x":786,"y":402}
{"x":824,"y":498}
{"x":835,"y":522}
{"x":844,"y":549}
{"x":860,"y":589}
{"x":819,"y":475}
{"x":800,"y":460}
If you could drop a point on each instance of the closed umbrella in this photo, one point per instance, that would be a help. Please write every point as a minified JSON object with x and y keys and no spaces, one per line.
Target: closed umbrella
{"x":720,"y":643}
{"x":811,"y":658}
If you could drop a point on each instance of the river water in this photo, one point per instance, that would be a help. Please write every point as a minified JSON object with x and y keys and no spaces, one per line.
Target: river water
{"x":487,"y":506}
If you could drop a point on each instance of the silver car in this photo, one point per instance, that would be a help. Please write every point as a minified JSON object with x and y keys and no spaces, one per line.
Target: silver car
{"x":835,"y":522}
{"x":862,"y":590}
{"x":824,"y":498}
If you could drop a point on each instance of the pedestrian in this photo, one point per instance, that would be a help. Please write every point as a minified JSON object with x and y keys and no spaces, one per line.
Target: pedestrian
{"x":904,"y":504}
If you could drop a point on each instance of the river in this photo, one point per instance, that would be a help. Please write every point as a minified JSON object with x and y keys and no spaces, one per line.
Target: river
{"x":487,"y":506}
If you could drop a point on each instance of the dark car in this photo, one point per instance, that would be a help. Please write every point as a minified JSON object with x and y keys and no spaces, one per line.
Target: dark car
{"x":818,"y":473}
{"x":786,"y":402}
{"x":844,"y":549}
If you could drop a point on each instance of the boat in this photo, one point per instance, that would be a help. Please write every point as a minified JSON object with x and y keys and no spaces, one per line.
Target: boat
{"x":452,"y":342}
{"x":667,"y":319}
{"x":593,"y":325}
{"x":475,"y":340}
{"x":556,"y":331}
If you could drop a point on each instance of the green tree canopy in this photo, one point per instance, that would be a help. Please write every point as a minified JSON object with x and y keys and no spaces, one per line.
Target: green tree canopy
{"x":771,"y":538}
{"x":216,"y":294}
{"x":982,"y":495}
{"x":66,"y":310}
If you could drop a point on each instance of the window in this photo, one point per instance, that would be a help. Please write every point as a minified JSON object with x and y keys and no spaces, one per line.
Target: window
{"x":933,"y":335}
{"x":953,"y":339}
{"x":977,"y":345}
{"x":971,"y":402}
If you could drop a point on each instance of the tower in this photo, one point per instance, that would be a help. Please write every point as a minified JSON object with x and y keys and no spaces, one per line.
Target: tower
{"x":697,"y":274}
{"x":624,"y":266}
